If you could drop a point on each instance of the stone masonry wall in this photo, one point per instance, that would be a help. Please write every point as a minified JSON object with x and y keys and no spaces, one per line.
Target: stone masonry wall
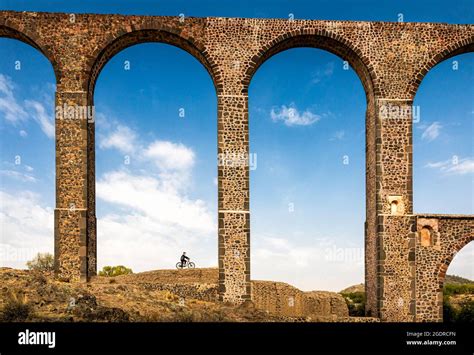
{"x":283,"y":299}
{"x":444,"y":236}
{"x":390,"y":59}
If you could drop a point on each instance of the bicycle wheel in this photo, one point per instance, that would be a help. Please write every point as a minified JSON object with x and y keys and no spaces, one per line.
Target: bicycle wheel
{"x":179,"y":266}
{"x":191,"y":265}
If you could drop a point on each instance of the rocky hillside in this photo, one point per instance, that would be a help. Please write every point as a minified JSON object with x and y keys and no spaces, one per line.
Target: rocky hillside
{"x":450,"y":279}
{"x":456,"y":280}
{"x":458,"y":299}
{"x":354,"y":288}
{"x":159,"y":296}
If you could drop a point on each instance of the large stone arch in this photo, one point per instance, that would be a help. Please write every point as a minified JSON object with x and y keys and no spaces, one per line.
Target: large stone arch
{"x":450,"y":232}
{"x":446,"y":261}
{"x":462,"y":46}
{"x":390,"y":58}
{"x":34,"y":40}
{"x":95,"y":64}
{"x":448,"y":235}
{"x":339,"y":46}
{"x":121,"y":41}
{"x":321,"y":39}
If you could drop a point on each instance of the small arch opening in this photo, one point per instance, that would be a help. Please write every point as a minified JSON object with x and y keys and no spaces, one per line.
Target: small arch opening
{"x":394,"y":207}
{"x":426,"y":238}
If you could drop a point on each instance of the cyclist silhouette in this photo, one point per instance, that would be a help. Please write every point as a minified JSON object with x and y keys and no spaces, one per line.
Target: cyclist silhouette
{"x":184,"y":259}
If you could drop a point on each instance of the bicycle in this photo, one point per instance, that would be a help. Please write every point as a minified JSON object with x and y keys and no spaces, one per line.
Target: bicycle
{"x":189,"y":265}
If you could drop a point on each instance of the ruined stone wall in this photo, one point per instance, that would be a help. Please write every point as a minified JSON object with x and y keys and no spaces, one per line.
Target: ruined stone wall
{"x":325,"y":303}
{"x":282,"y":299}
{"x":203,"y":276}
{"x":390,"y":59}
{"x":187,"y":283}
{"x":438,"y":239}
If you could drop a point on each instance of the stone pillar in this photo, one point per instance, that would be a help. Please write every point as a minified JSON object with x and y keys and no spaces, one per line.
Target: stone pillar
{"x":70,"y":215}
{"x":233,"y":198}
{"x":395,"y":221}
{"x":91,"y":216}
{"x":370,"y":226}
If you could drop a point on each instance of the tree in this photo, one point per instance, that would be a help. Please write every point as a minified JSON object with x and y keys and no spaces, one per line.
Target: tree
{"x":449,"y":313}
{"x":466,"y":313}
{"x":41,"y":262}
{"x":111,"y":271}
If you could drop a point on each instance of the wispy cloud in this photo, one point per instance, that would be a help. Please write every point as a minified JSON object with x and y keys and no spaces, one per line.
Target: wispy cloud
{"x":431,"y":132}
{"x":338,"y":136}
{"x":155,"y":216}
{"x":321,"y":74}
{"x":11,"y":110}
{"x":15,"y":112}
{"x":454,"y":166}
{"x":290,"y":116}
{"x":19,"y":172}
{"x":17,"y":175}
{"x":299,"y":263}
{"x":39,"y":114}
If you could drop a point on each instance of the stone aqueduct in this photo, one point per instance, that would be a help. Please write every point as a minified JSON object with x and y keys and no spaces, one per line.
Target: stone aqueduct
{"x":407,"y":254}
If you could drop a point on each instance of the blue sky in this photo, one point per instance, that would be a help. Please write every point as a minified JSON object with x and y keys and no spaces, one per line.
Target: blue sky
{"x":156,"y":139}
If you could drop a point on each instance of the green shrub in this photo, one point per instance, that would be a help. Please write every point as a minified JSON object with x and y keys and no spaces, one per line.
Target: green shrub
{"x":41,"y":262}
{"x":457,"y":289}
{"x":355,"y":302}
{"x":449,"y":313}
{"x":112,"y":271}
{"x":466,"y":313}
{"x":16,"y":308}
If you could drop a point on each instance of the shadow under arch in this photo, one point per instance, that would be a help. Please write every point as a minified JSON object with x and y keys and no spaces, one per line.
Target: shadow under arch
{"x":340,"y":47}
{"x":30,"y":39}
{"x":100,"y":58}
{"x":461,"y":47}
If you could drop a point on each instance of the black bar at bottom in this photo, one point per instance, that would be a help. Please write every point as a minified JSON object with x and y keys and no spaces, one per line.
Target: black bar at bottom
{"x":242,"y":337}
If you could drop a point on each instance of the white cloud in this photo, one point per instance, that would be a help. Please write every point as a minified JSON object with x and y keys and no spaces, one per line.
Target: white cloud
{"x":454,"y":166}
{"x":153,"y":197}
{"x":26,"y":228}
{"x":9,"y":106}
{"x":18,"y":175}
{"x":319,"y":75}
{"x":151,"y":213}
{"x":39,"y":114}
{"x":321,"y":265}
{"x":338,"y":136}
{"x":169,"y":156}
{"x":15,"y":113}
{"x":173,"y":162}
{"x":155,"y":220}
{"x":292,"y":117}
{"x":122,"y":138}
{"x":431,"y":132}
